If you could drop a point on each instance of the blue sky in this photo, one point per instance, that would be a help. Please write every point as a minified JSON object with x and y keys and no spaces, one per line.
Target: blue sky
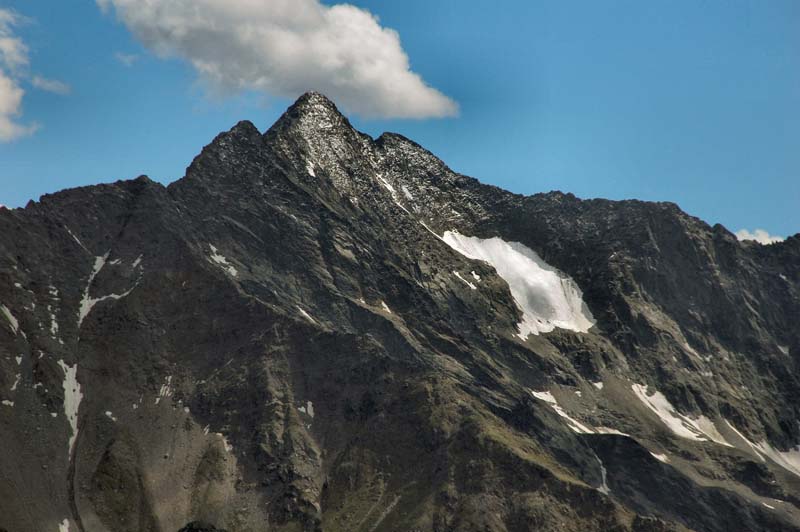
{"x":695,"y":102}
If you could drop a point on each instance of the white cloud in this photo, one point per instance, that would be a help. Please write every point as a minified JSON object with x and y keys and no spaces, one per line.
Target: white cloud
{"x":286,"y":47}
{"x":13,"y":57}
{"x":759,"y":235}
{"x":13,"y":51}
{"x":51,"y":85}
{"x":10,"y":108}
{"x":126,"y":59}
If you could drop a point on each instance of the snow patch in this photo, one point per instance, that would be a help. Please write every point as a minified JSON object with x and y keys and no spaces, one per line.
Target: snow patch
{"x":137,"y":262}
{"x":76,"y":238}
{"x":220,"y":260}
{"x":310,"y":169}
{"x":386,"y":184}
{"x":464,"y":280}
{"x":428,"y":229}
{"x":609,"y":430}
{"x":604,"y":489}
{"x":599,"y":385}
{"x":18,"y":359}
{"x":64,"y":526}
{"x":698,"y":429}
{"x":306,"y":315}
{"x":110,"y":416}
{"x":392,"y":192}
{"x":546,"y":297}
{"x":166,"y":388}
{"x":88,"y":302}
{"x":768,"y":506}
{"x":308,"y":409}
{"x":788,"y":460}
{"x":10,"y":318}
{"x":744,"y":438}
{"x":91,"y":302}
{"x":6,"y":402}
{"x":475,"y":276}
{"x":53,"y":323}
{"x":72,"y":399}
{"x":407,"y":193}
{"x":660,"y":457}
{"x":17,"y":378}
{"x":574,"y":424}
{"x":385,"y":307}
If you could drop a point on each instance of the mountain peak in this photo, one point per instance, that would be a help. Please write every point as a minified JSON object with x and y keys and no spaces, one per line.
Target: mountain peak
{"x":312,"y":133}
{"x":312,"y":110}
{"x":315,"y":306}
{"x":314,"y":99}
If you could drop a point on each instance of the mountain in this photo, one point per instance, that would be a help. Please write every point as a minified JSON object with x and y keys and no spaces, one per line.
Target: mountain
{"x":316,"y":330}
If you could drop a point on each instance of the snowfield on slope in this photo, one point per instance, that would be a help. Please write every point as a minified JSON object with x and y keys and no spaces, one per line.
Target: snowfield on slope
{"x":683,"y":426}
{"x":788,"y":460}
{"x":546,"y":297}
{"x":72,"y":401}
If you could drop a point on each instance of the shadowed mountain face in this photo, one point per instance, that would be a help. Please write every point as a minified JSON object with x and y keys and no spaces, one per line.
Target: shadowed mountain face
{"x":316,"y":330}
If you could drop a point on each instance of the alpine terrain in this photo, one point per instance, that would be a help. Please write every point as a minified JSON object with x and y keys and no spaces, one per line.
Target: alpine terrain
{"x":315,"y":330}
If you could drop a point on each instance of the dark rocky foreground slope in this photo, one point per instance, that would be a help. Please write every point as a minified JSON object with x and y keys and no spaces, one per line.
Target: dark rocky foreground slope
{"x":294,"y":337}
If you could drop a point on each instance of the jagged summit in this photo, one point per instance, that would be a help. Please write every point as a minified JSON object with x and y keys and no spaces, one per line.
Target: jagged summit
{"x":311,"y":112}
{"x":313,"y":101}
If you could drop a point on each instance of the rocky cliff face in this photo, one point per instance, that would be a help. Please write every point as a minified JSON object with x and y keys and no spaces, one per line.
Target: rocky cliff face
{"x":315,"y":330}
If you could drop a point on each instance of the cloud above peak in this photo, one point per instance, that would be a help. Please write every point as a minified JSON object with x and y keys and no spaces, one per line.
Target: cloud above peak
{"x":287,"y":47}
{"x":759,"y":235}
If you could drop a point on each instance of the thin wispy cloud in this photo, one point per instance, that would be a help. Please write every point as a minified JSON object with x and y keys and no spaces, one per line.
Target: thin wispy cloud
{"x":126,"y":59}
{"x":51,"y":85}
{"x":759,"y":235}
{"x":286,"y":47}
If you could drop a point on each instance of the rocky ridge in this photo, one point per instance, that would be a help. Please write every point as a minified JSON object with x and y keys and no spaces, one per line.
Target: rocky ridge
{"x":294,"y":337}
